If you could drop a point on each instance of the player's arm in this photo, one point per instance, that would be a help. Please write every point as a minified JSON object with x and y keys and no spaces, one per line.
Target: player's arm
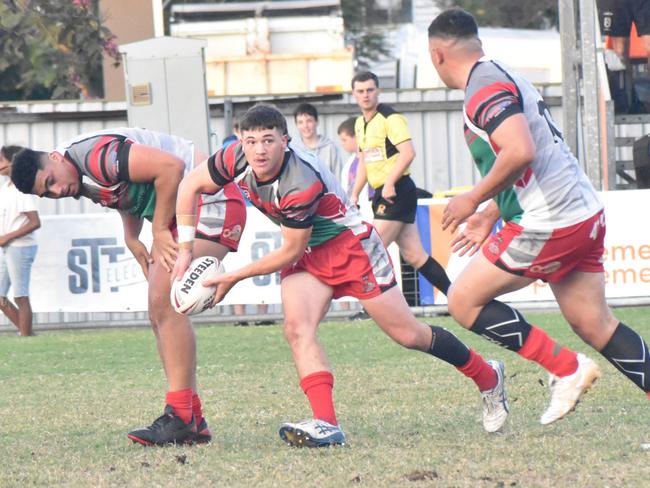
{"x":198,"y":181}
{"x":516,"y":153}
{"x":405,"y":156}
{"x":33,"y":222}
{"x":132,"y":226}
{"x":294,"y":243}
{"x":360,"y":180}
{"x":165,"y":171}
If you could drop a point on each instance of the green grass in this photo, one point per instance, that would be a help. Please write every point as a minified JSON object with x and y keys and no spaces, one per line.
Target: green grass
{"x":68,"y":398}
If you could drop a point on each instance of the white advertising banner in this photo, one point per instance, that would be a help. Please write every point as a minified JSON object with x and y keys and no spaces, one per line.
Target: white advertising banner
{"x":627,"y":250}
{"x":83,"y":265}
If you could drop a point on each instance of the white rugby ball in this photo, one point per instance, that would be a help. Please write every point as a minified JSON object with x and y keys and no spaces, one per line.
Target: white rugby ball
{"x":188,"y":295}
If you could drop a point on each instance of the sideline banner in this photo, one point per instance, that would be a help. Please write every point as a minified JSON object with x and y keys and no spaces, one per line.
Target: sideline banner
{"x":83,"y":265}
{"x":627,"y":249}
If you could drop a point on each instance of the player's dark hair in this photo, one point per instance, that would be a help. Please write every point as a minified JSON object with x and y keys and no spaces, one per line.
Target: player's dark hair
{"x":347,"y":127}
{"x":305,"y":109}
{"x":263,"y":116}
{"x":8,"y":152}
{"x":25,"y":165}
{"x":454,"y":23}
{"x":365,"y":76}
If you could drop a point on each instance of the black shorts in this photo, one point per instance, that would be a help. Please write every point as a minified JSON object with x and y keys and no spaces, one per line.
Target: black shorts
{"x":616,"y":17}
{"x":406,"y":202}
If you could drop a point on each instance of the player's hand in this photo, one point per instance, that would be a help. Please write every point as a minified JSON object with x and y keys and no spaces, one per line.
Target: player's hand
{"x":183,"y":261}
{"x":388,"y":192}
{"x":141,"y":255}
{"x":354,"y":200}
{"x":165,"y":248}
{"x":223,"y":283}
{"x":471,"y":238}
{"x":458,"y":210}
{"x":3,"y":241}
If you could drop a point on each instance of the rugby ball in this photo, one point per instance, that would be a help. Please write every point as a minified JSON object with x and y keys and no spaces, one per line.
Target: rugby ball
{"x":188,"y":295}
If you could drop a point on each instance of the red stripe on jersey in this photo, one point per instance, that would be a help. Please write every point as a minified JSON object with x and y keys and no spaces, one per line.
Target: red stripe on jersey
{"x":330,"y":206}
{"x":487,"y":92}
{"x":303,"y":198}
{"x":95,"y":163}
{"x":525,"y":178}
{"x":229,"y":158}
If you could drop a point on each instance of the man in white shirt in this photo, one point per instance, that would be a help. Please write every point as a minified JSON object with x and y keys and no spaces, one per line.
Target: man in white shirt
{"x":18,"y":221}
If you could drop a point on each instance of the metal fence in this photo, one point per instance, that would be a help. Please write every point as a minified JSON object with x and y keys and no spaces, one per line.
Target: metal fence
{"x":434,"y":116}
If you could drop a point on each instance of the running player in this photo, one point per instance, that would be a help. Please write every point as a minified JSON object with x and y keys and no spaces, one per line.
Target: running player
{"x":385,"y":156}
{"x":327,"y":252}
{"x":554,"y":222}
{"x":137,"y":172}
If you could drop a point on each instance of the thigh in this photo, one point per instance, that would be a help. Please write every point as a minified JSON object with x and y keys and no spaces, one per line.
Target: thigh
{"x":388,"y":230}
{"x":581,"y":297}
{"x":410,"y":244}
{"x":393,"y":316}
{"x":479,"y":283}
{"x":305,"y":300}
{"x":203,"y":247}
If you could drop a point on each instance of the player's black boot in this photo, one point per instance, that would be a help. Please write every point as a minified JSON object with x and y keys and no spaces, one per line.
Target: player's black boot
{"x":166,"y":429}
{"x":202,"y":434}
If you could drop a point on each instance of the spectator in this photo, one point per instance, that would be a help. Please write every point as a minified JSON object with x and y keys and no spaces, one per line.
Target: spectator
{"x":321,"y":146}
{"x":18,"y":221}
{"x":616,"y":17}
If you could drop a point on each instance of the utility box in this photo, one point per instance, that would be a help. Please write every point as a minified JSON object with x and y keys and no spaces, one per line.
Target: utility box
{"x":165,"y":87}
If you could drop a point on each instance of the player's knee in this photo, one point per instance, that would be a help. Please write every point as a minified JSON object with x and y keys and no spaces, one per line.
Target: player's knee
{"x":457,"y":306}
{"x":409,"y":338}
{"x":296,"y":331}
{"x":594,"y":328}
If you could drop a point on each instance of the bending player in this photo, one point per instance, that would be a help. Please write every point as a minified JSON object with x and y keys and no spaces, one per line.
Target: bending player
{"x":327,"y":252}
{"x":137,"y":172}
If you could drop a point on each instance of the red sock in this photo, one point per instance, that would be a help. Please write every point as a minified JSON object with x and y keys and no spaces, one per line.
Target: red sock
{"x":539,"y":347}
{"x":318,"y":388}
{"x":480,"y":371}
{"x":196,"y":408}
{"x":181,"y":401}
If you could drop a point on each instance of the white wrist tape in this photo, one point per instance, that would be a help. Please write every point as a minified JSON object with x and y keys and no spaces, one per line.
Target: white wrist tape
{"x":185,"y":233}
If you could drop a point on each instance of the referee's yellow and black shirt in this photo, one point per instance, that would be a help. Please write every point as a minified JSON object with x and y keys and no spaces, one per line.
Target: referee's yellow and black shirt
{"x":378,"y":138}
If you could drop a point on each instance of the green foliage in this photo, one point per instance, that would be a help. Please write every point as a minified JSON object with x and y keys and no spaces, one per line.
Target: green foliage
{"x":52,"y":49}
{"x":540,"y":14}
{"x":68,"y":398}
{"x":368,"y":41}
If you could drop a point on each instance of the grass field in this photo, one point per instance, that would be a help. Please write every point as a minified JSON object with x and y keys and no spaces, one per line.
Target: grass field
{"x":68,"y":398}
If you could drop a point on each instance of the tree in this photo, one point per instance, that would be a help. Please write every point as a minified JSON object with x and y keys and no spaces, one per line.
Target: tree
{"x":369,"y":42}
{"x":52,"y":49}
{"x":540,"y":14}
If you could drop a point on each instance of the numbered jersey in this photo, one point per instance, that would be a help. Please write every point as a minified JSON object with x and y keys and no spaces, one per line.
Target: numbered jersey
{"x":304,"y":194}
{"x":553,"y":191}
{"x":102,"y":160}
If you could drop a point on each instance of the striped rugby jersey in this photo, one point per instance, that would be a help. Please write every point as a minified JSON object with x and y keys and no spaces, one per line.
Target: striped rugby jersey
{"x":554,"y":191}
{"x":304,"y":194}
{"x":102,"y":160}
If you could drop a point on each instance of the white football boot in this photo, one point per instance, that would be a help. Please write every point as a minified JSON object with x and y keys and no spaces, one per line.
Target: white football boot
{"x":312,"y":433}
{"x":566,"y":391}
{"x":495,"y":401}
